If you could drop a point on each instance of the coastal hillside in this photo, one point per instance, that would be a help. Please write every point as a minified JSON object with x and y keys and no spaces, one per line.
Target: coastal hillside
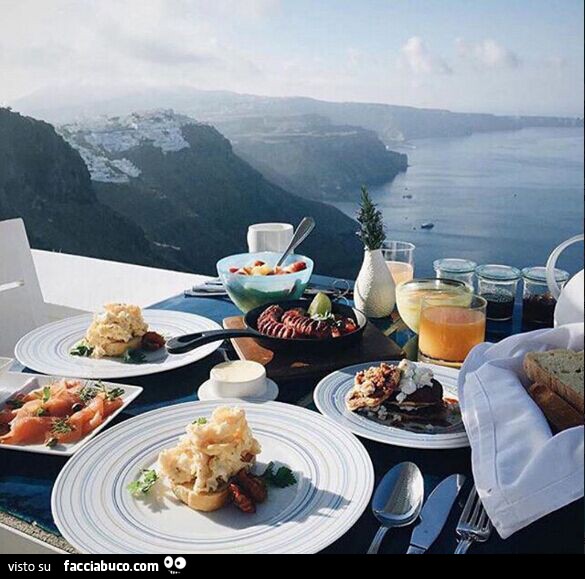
{"x":45,"y":181}
{"x":391,"y":123}
{"x":183,"y":184}
{"x":310,"y":156}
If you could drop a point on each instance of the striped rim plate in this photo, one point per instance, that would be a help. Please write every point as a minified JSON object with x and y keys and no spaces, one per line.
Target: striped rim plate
{"x":96,"y":514}
{"x":331,"y":393}
{"x":47,"y":348}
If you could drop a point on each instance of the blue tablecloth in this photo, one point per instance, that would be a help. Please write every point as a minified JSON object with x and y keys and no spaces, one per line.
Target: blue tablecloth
{"x":26,"y":480}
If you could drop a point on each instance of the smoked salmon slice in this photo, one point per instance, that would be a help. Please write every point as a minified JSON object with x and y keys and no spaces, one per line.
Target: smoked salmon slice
{"x":63,"y":412}
{"x":28,"y":430}
{"x":61,"y":403}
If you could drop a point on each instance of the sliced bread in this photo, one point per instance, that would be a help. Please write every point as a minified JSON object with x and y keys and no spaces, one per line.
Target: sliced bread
{"x":199,"y":501}
{"x":561,"y":371}
{"x":558,"y":412}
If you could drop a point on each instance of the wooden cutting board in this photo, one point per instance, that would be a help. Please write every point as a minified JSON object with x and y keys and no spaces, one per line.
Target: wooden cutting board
{"x":373,"y":346}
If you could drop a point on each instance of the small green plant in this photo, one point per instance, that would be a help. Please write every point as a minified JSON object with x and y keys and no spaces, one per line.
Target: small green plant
{"x":371,"y":223}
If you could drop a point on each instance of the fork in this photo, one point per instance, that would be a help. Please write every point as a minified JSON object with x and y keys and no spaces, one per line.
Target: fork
{"x":474,"y":526}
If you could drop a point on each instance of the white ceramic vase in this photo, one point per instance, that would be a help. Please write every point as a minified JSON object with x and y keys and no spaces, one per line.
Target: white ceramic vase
{"x":375,"y":291}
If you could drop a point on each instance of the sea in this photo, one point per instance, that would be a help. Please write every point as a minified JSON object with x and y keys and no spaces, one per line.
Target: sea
{"x":502,"y":197}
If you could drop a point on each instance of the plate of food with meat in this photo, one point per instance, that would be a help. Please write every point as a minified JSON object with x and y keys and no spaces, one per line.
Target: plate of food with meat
{"x":407,"y":404}
{"x":121,"y":341}
{"x":300,"y":325}
{"x":215,"y":477}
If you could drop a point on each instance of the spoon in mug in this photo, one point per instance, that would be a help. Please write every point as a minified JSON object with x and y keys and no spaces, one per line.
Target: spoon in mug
{"x":303,"y":230}
{"x":398,"y":500}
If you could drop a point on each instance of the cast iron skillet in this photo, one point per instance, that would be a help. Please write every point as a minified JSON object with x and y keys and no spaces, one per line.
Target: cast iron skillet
{"x":189,"y":342}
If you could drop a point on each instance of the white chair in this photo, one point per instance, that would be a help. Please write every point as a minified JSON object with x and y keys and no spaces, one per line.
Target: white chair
{"x":22,"y":307}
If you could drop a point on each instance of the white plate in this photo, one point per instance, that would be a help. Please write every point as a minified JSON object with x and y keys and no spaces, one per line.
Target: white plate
{"x":12,"y":384}
{"x":331,"y":393}
{"x":95,"y":512}
{"x":46,"y":349}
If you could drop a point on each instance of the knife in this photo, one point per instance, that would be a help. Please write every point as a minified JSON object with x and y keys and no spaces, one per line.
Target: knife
{"x":435,"y":514}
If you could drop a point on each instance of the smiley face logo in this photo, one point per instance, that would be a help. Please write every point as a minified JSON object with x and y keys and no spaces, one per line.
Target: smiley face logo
{"x":176,"y":565}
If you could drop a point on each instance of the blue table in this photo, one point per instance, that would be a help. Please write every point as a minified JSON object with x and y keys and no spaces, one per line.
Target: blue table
{"x":26,"y":480}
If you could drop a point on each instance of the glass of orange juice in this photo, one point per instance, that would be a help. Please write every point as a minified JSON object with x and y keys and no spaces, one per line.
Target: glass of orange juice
{"x":399,"y":257}
{"x":410,"y":294}
{"x":449,"y":332}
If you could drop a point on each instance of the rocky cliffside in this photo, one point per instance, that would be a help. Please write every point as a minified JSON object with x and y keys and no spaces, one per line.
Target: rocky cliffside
{"x":45,"y":181}
{"x":312,"y":157}
{"x":194,"y":197}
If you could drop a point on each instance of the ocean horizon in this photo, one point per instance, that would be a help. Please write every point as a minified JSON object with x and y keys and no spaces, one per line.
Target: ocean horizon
{"x":501,"y":197}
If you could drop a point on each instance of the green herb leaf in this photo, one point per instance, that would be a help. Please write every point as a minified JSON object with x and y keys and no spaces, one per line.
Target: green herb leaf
{"x":82,"y":350}
{"x":91,"y":390}
{"x":15,"y":403}
{"x":114,"y":393}
{"x":144,"y":483}
{"x":46,"y":394}
{"x":88,"y":393}
{"x":200,"y":421}
{"x":134,"y":357}
{"x":61,"y":426}
{"x":282,"y":478}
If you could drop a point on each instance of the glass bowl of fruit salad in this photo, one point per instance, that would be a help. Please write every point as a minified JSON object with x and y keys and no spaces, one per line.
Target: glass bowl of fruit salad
{"x":252,"y":279}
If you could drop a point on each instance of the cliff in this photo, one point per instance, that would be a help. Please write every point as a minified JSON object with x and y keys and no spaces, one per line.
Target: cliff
{"x":45,"y":181}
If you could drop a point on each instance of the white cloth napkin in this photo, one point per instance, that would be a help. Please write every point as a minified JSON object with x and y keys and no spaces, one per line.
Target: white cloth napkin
{"x":522,"y":472}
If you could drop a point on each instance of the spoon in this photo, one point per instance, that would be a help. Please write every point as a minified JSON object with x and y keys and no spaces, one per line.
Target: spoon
{"x":398,"y":500}
{"x":303,"y":230}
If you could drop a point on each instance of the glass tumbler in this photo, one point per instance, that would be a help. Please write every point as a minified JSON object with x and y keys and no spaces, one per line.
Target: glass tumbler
{"x":399,"y":257}
{"x":498,"y":284}
{"x":449,"y":332}
{"x":538,"y":302}
{"x":457,"y":269}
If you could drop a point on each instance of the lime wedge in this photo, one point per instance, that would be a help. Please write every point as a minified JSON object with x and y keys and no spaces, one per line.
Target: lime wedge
{"x":320,"y":306}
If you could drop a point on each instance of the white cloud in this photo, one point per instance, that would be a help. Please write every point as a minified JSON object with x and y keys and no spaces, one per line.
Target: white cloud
{"x":416,"y":57}
{"x":127,"y":41}
{"x":487,"y":54}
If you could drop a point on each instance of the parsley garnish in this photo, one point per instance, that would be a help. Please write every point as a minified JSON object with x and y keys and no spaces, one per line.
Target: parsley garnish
{"x":134,"y":357}
{"x":82,"y":350}
{"x":200,"y":421}
{"x":281,"y":479}
{"x":41,"y":411}
{"x":15,"y":403}
{"x":144,"y":483}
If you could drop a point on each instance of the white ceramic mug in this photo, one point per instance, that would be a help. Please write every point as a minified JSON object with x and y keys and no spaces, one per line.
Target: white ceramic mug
{"x":269,"y":237}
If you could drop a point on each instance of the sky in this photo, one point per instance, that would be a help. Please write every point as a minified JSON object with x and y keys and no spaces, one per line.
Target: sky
{"x":497,"y":56}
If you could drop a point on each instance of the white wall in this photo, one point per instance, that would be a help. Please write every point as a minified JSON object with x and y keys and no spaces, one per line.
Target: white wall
{"x":87,"y":284}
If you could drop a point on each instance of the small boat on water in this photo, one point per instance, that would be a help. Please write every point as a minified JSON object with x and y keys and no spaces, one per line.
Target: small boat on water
{"x":428,"y":225}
